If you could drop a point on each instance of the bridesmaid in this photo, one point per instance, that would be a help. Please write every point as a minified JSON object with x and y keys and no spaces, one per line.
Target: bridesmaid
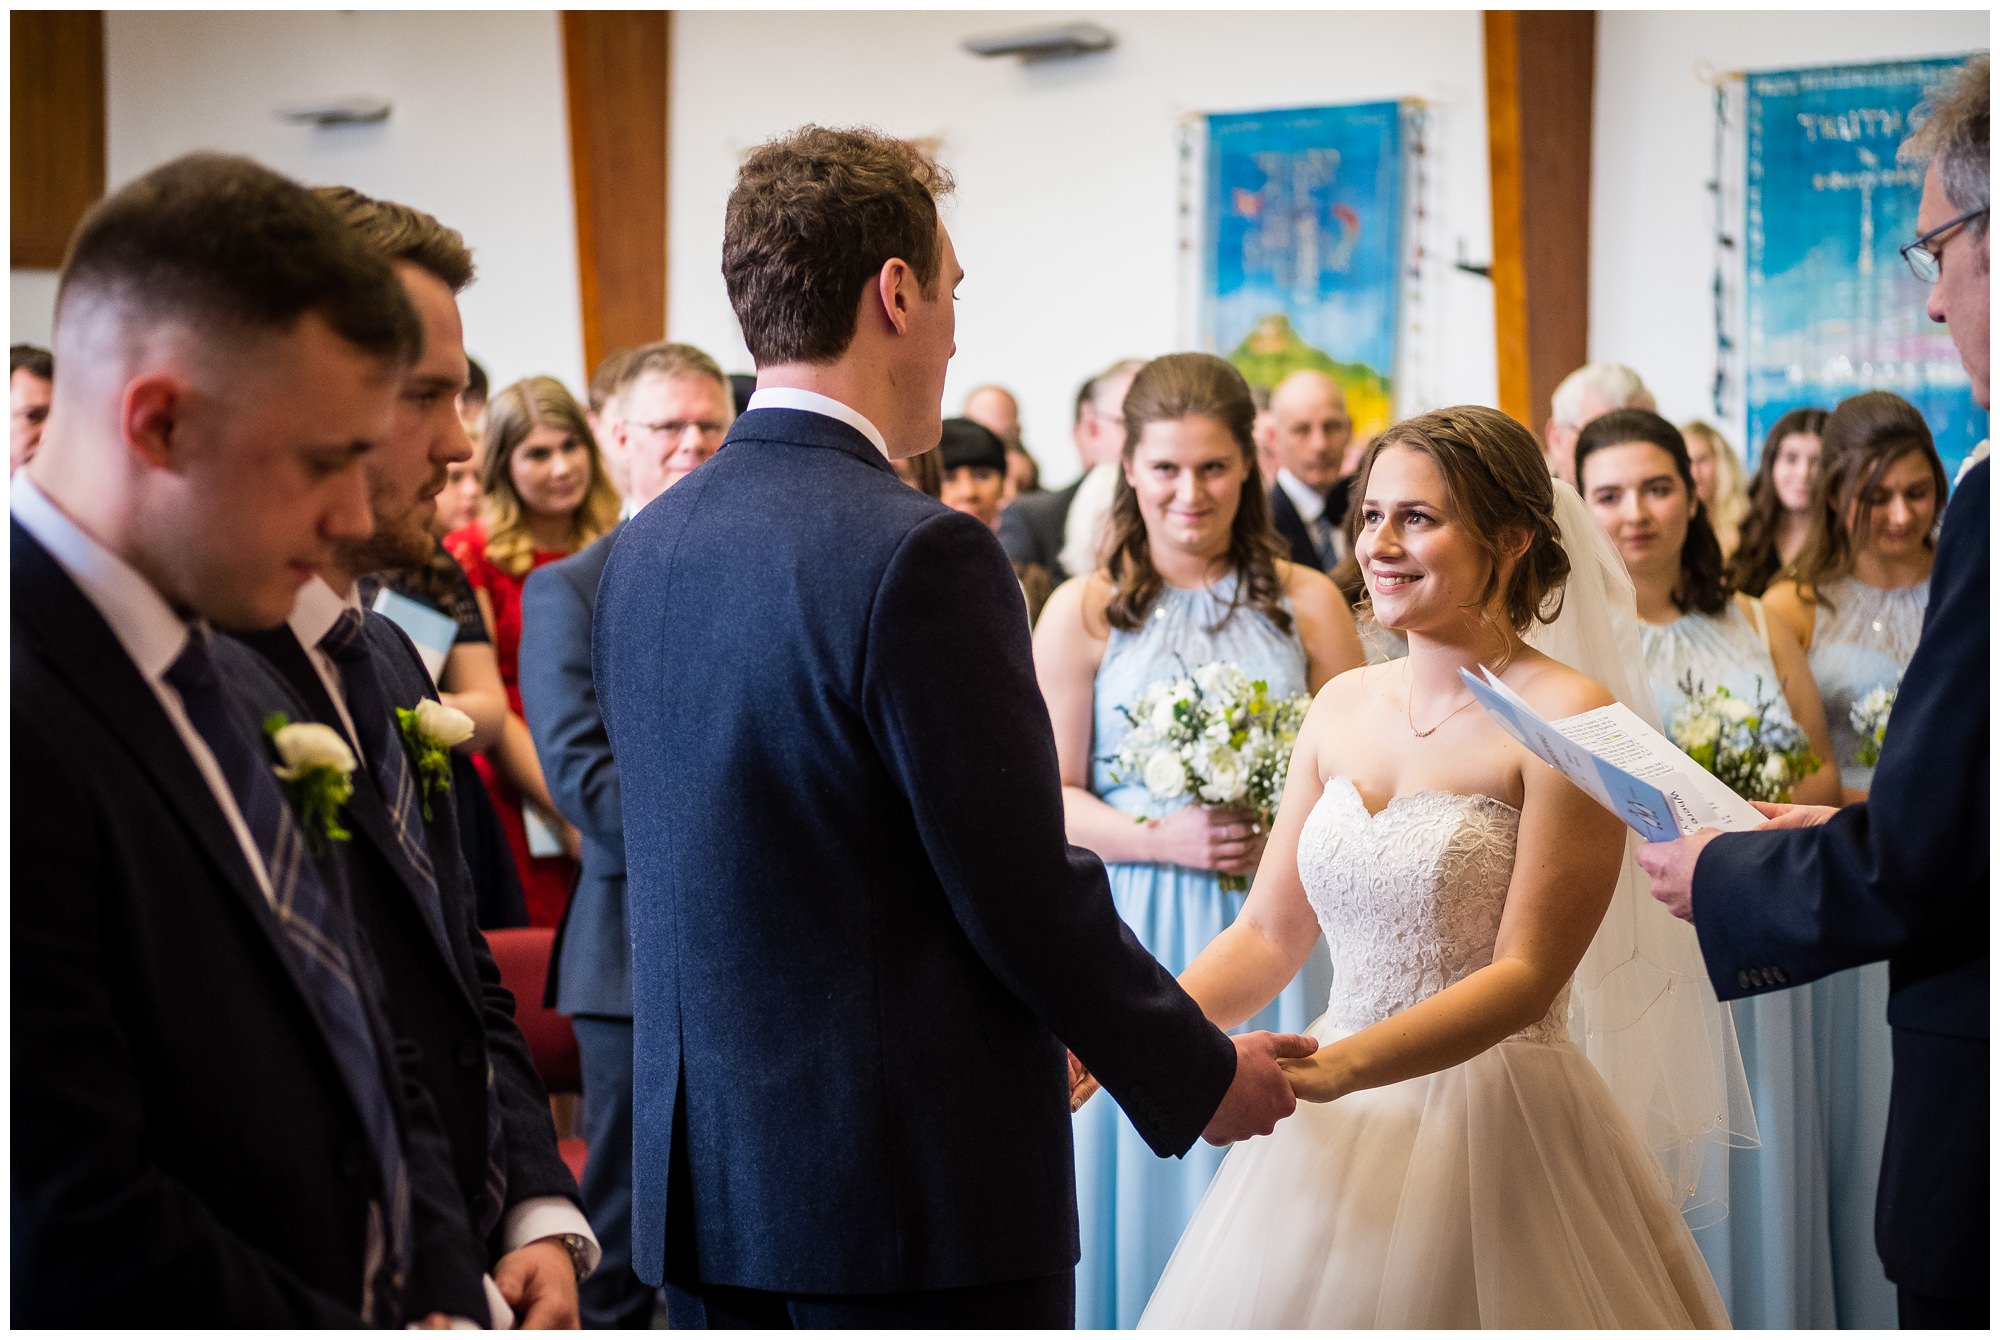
{"x":1855,"y":600}
{"x":1719,"y":482}
{"x":1193,"y":575}
{"x":1771,"y":1256}
{"x":545,"y":496}
{"x":1780,"y":500}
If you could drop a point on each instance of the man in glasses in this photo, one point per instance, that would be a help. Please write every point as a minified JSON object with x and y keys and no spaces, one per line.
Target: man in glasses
{"x":672,"y":409}
{"x":1904,"y":876}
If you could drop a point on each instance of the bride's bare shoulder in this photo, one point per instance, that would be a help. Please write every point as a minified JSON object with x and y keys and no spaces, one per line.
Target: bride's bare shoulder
{"x":1554,"y":689}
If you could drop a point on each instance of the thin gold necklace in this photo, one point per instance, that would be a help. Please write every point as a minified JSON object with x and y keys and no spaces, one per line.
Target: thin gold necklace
{"x":1426,"y":734}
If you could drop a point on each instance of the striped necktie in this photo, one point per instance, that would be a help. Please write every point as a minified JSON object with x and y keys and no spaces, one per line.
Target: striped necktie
{"x":318,"y":948}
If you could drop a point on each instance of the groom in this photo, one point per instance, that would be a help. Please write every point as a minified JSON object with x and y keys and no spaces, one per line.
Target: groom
{"x":857,"y":932}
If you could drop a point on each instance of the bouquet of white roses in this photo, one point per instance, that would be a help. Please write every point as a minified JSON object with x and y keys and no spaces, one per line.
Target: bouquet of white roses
{"x":1869,"y":716}
{"x":1215,"y":736}
{"x":1753,"y":747}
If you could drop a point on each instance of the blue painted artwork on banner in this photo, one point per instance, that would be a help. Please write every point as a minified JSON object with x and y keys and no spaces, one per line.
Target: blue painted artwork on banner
{"x":1831,"y":309}
{"x":1305,"y":215}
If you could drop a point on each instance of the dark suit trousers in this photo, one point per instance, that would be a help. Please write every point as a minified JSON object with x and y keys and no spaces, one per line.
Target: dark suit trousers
{"x":1044,"y":1304}
{"x":613,"y":1298}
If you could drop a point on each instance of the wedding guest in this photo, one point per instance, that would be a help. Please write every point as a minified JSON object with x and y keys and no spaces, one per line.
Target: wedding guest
{"x":1855,"y":599}
{"x":671,"y":393}
{"x":973,"y":462}
{"x":995,"y":409}
{"x":1053,"y":530}
{"x":1310,"y":433}
{"x":1593,"y":389}
{"x":923,"y":473}
{"x":1192,"y":576}
{"x":1779,"y":518}
{"x":1855,"y":596}
{"x":224,"y":1132}
{"x":667,"y":419}
{"x":1719,"y":481}
{"x":31,"y":376}
{"x":1024,"y":476}
{"x":1770,"y":1254}
{"x":472,"y":400}
{"x":1906,"y":875}
{"x":601,"y":404}
{"x":546,"y":495}
{"x":411,"y":893}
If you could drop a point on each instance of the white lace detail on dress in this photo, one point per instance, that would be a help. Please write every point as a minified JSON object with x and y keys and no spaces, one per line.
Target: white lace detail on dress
{"x":1409,"y":899}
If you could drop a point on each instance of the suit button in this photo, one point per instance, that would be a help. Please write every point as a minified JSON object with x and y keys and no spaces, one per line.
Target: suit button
{"x":1779,"y":974}
{"x":1743,"y":978}
{"x":470,"y":1054}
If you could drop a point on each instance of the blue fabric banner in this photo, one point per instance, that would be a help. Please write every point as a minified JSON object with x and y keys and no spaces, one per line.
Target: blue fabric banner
{"x":1304,"y":257}
{"x":1831,"y":309}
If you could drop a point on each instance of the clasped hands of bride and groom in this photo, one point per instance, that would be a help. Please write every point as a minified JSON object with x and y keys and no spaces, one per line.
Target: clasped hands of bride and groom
{"x":1261,"y":1097}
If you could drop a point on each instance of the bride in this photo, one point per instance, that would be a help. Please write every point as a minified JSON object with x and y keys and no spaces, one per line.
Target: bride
{"x":1459,"y":1162}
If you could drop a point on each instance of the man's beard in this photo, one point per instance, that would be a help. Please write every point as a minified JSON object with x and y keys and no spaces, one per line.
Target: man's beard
{"x":406,"y":544}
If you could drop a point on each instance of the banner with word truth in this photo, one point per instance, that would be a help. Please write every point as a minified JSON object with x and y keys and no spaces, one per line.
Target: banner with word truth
{"x":1831,"y":309}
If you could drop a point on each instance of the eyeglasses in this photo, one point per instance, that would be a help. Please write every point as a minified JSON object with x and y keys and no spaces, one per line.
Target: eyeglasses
{"x":1926,"y":264}
{"x":675,"y":428}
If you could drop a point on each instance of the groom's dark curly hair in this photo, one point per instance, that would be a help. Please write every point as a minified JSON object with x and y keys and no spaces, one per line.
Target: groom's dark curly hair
{"x":813,"y":219}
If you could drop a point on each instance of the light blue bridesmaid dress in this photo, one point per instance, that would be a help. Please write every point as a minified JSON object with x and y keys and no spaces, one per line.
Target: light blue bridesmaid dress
{"x":1863,"y":643}
{"x":1132,"y":1204}
{"x":1773,"y":1256}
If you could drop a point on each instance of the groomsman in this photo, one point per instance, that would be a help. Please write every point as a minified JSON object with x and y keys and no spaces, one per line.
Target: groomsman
{"x":210,"y":1125}
{"x":1904,"y":876}
{"x":674,"y":395}
{"x":1310,"y":430}
{"x":355,"y":670}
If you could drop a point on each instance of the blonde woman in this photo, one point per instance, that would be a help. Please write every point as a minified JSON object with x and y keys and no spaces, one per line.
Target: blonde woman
{"x":1719,"y":481}
{"x":545,"y":495}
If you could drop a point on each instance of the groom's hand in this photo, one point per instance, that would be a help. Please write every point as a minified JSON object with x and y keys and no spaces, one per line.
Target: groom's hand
{"x":1671,"y":866}
{"x":1082,"y":1084}
{"x":1260,"y":1096}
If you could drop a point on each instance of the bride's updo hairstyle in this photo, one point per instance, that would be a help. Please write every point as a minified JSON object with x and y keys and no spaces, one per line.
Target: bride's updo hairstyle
{"x":1182,"y":386}
{"x":1496,"y":482}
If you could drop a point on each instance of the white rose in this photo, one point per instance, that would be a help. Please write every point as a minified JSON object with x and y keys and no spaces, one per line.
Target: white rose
{"x":446,"y":727}
{"x":1209,"y":677}
{"x":305,"y":745}
{"x":1700,"y":730}
{"x":1163,"y":712}
{"x":1164,"y":776}
{"x":1774,"y":769}
{"x":1227,"y":778}
{"x":1737,"y":709}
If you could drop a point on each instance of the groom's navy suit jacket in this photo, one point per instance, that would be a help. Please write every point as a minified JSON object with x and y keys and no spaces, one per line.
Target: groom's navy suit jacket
{"x":1904,"y":877}
{"x":858,"y":933}
{"x":185,"y":1150}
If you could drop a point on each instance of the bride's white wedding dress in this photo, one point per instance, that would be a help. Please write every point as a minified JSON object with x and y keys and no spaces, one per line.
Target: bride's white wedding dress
{"x":1507,"y":1191}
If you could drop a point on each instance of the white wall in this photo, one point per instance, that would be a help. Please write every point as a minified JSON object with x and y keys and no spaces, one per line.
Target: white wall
{"x":1068,"y":173}
{"x":478,"y":136}
{"x":1651,"y":232}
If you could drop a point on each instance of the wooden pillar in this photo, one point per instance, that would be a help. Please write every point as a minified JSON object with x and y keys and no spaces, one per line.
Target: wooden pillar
{"x":57,"y":139}
{"x":1540,"y":68}
{"x":615,"y":69}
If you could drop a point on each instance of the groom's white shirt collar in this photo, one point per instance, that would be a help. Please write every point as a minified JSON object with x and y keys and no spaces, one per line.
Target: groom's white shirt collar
{"x":812,"y":402}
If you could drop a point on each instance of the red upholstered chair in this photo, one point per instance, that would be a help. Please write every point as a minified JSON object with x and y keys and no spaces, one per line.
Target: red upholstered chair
{"x":522,"y":956}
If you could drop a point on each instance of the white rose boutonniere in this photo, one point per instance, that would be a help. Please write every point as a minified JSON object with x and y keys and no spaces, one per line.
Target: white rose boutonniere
{"x":430,"y":732}
{"x":317,"y":769}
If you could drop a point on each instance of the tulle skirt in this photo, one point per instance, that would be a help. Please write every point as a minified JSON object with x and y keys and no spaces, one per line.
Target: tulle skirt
{"x":1508,"y":1191}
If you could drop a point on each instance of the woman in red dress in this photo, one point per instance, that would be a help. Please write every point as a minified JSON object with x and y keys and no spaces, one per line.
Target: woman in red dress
{"x":545,"y":496}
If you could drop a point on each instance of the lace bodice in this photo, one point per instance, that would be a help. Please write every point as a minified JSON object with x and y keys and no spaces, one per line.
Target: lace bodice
{"x":1181,"y":633}
{"x":1862,"y":644}
{"x":1409,"y":899}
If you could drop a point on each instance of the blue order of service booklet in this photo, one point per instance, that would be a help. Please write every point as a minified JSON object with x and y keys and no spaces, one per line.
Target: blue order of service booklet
{"x":1622,"y":762}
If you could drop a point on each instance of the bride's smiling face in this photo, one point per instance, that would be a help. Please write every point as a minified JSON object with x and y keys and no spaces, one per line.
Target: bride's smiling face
{"x":1423,"y":569}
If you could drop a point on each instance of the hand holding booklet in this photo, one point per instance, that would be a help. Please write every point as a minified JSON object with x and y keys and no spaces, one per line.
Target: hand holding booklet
{"x":1622,"y":762}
